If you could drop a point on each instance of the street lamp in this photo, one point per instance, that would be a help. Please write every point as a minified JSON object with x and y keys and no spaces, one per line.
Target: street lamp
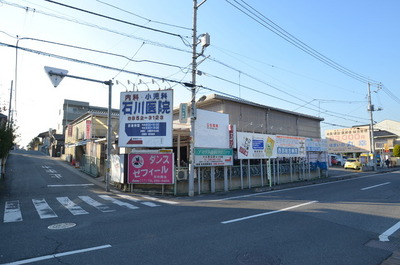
{"x":56,"y":75}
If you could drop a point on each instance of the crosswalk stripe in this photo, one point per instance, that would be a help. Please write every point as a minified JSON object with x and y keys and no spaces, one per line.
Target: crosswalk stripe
{"x":71,"y":206}
{"x":127,"y":197}
{"x":101,"y":207}
{"x":43,"y":209}
{"x":117,"y":202}
{"x":12,"y":212}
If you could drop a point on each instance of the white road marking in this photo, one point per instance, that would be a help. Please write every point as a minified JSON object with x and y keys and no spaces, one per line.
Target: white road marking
{"x":101,"y":207}
{"x":134,"y":199}
{"x":268,"y":213}
{"x":43,"y":209}
{"x":69,"y":185}
{"x":290,"y":189}
{"x":371,"y":187}
{"x":159,"y":200}
{"x":117,"y":202}
{"x":71,"y":206}
{"x":385,"y":235}
{"x":62,"y":254}
{"x":12,"y":212}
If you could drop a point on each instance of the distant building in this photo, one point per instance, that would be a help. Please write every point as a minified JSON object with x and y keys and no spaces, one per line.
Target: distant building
{"x":73,"y":109}
{"x":357,"y":139}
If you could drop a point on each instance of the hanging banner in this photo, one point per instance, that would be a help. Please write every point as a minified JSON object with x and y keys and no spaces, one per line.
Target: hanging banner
{"x":151,"y":168}
{"x":145,"y":119}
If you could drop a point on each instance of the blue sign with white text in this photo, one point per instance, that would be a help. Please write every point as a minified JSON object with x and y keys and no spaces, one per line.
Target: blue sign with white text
{"x":146,"y":129}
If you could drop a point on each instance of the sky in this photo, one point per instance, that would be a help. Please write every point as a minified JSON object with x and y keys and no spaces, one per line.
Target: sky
{"x":317,"y":60}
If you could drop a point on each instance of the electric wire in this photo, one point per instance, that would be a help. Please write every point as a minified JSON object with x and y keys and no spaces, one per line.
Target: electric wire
{"x":327,"y":112}
{"x":147,"y":41}
{"x":61,"y":57}
{"x":115,"y":19}
{"x":144,"y":18}
{"x":267,"y":23}
{"x":102,"y":52}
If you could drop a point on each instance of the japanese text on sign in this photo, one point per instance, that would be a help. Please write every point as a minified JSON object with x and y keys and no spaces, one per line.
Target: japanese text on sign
{"x":151,"y":168}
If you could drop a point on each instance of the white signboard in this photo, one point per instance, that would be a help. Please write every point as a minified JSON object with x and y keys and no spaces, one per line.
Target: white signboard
{"x":212,"y":157}
{"x":117,"y":168}
{"x":261,"y":146}
{"x":290,"y":146}
{"x":145,"y":118}
{"x":256,"y":146}
{"x":211,"y":129}
{"x":348,"y":140}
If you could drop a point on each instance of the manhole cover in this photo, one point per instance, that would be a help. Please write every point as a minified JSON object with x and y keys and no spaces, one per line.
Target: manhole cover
{"x":61,"y":226}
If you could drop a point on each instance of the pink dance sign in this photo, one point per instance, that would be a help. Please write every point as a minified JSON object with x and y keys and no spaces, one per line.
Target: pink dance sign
{"x":151,"y":168}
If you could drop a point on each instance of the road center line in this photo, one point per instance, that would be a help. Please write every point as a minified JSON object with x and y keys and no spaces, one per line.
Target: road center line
{"x":268,"y":213}
{"x":57,"y":255}
{"x":385,"y":235}
{"x":371,"y":187}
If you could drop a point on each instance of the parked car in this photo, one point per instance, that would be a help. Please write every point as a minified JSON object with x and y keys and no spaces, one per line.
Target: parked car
{"x":352,"y":163}
{"x":333,"y":161}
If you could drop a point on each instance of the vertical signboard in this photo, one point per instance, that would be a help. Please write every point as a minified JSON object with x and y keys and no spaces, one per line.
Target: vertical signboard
{"x":88,"y":131}
{"x":145,"y":118}
{"x":147,"y":168}
{"x":183,"y":113}
{"x":211,"y":129}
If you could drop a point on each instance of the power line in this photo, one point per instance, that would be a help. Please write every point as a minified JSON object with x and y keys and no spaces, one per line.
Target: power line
{"x":115,"y":19}
{"x":99,"y":51}
{"x":150,"y":42}
{"x":61,"y":57}
{"x":327,"y":112}
{"x":269,"y":24}
{"x":142,"y":74}
{"x":144,"y":18}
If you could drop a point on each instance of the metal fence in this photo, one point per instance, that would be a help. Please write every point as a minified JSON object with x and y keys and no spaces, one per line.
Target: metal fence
{"x":251,"y":176}
{"x":90,"y":165}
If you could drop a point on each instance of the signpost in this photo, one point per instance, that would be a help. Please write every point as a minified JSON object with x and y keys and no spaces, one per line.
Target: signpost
{"x":56,"y":75}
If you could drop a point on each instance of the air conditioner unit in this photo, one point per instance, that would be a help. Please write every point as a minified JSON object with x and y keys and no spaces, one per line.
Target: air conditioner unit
{"x":182,"y":174}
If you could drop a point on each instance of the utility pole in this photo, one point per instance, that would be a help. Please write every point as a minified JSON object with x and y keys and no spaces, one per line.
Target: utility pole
{"x":371,"y":127}
{"x":193,"y":112}
{"x":10,"y":119}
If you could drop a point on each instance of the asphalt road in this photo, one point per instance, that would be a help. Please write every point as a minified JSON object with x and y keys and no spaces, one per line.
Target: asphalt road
{"x":351,"y":221}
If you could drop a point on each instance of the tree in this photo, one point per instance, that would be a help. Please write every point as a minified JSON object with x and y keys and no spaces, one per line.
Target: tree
{"x":7,"y":138}
{"x":396,"y":150}
{"x":34,"y":143}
